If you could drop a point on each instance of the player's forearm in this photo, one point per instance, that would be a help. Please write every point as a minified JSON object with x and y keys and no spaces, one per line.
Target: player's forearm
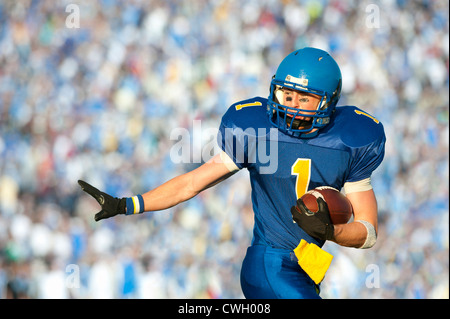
{"x":186,"y":186}
{"x":350,"y":235}
{"x":356,"y":234}
{"x":171,"y":193}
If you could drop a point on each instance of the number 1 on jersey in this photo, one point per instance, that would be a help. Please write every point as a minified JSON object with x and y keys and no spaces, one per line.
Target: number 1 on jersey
{"x":302,"y":169}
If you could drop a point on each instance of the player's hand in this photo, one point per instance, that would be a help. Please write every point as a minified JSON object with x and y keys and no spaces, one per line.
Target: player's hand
{"x":111,"y":206}
{"x":317,"y":224}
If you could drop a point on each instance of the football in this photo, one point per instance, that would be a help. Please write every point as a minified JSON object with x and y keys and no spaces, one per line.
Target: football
{"x":340,"y":208}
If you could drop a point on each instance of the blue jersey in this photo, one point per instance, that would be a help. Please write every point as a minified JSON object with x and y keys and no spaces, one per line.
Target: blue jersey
{"x":283,"y":167}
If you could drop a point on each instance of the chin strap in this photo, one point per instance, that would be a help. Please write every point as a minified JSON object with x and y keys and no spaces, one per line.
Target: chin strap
{"x":297,"y":123}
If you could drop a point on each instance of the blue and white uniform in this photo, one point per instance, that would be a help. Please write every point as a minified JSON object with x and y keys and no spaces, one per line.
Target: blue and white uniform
{"x":282,"y":168}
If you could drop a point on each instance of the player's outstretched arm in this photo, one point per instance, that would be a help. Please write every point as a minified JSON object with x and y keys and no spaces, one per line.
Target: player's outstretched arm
{"x":188,"y":185}
{"x":169,"y":194}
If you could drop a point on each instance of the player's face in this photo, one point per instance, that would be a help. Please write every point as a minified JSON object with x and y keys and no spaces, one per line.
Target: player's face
{"x":300,"y":100}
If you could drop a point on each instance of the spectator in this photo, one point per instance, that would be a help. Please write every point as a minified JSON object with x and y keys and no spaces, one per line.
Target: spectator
{"x":97,"y":100}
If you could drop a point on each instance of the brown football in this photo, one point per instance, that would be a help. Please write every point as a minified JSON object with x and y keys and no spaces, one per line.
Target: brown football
{"x":340,"y":208}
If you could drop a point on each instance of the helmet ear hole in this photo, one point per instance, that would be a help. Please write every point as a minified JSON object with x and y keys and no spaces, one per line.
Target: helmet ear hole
{"x":337,"y":93}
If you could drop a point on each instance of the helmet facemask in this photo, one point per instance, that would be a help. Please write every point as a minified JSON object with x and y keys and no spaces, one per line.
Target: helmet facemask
{"x":288,"y":118}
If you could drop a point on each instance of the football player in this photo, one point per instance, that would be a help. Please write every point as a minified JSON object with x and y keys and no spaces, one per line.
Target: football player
{"x":317,"y":144}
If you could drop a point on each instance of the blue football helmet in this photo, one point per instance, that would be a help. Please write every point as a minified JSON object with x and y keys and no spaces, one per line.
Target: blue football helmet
{"x":308,"y":70}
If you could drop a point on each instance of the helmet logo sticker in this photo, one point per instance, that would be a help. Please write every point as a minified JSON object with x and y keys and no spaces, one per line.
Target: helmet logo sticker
{"x":299,"y":81}
{"x":320,"y":59}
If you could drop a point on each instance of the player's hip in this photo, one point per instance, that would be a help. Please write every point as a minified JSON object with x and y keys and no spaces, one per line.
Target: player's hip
{"x":269,"y":272}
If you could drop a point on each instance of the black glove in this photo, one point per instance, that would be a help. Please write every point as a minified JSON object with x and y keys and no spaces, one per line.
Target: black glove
{"x":111,"y":206}
{"x":317,"y":224}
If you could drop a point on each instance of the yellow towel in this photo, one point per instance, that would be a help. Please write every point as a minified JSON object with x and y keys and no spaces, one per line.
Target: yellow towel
{"x":313,"y":260}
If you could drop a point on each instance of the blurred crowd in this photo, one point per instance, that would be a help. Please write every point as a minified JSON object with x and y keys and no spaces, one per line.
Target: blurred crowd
{"x":97,"y":96}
